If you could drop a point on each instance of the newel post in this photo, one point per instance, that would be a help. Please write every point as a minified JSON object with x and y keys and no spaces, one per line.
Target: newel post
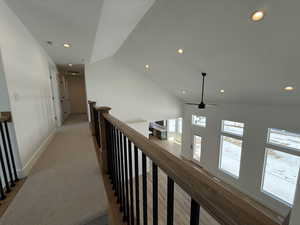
{"x":92,"y":105}
{"x":103,"y":136}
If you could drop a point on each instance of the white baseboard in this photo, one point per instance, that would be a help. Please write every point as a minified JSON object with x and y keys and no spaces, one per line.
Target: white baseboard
{"x":31,"y":162}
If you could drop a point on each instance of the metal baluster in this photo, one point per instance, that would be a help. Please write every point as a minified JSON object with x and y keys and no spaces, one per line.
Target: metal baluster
{"x":108,"y":148}
{"x":117,"y":166}
{"x":144,"y":165}
{"x":155,"y":194}
{"x":12,"y":183}
{"x":11,"y":152}
{"x":97,"y":127}
{"x":170,"y":202}
{"x":114,"y":158}
{"x":195,"y":213}
{"x":119,"y":172}
{"x":4,"y":172}
{"x":1,"y":190}
{"x":130,"y":183}
{"x":122,"y":175}
{"x":111,"y":154}
{"x":126,"y":178}
{"x":137,"y":198}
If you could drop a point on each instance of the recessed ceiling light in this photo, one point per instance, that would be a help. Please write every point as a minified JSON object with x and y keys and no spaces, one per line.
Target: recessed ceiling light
{"x":70,"y":64}
{"x":222,"y":91}
{"x":180,"y":51}
{"x":183,"y":92}
{"x":289,"y":88}
{"x":67,"y":45}
{"x":147,"y":67}
{"x":258,"y":15}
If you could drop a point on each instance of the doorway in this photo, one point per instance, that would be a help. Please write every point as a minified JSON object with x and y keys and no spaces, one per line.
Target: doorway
{"x":73,"y":90}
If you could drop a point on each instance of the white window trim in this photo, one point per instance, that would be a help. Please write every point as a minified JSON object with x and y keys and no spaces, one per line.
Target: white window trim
{"x":231,"y":135}
{"x":280,"y":148}
{"x":220,"y":156}
{"x":193,"y":145}
{"x":269,"y":194}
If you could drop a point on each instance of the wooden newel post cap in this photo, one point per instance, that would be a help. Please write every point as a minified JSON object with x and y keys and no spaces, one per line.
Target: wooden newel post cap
{"x":103,"y":109}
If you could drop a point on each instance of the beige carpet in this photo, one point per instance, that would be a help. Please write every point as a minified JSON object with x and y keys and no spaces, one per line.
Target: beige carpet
{"x":65,"y":187}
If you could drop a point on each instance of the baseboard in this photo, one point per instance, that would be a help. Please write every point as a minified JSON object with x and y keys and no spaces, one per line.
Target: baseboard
{"x":31,"y":162}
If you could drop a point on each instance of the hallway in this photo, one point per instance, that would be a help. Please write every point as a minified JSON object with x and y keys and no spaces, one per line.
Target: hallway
{"x":65,"y":186}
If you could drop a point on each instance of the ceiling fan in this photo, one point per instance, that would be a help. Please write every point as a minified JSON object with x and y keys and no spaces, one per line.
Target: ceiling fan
{"x":202,"y":105}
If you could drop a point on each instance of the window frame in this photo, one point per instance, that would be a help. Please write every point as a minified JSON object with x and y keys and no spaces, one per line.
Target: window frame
{"x":231,"y":133}
{"x":234,"y":136}
{"x":193,"y":148}
{"x":286,"y":149}
{"x":280,"y":148}
{"x":196,"y":125}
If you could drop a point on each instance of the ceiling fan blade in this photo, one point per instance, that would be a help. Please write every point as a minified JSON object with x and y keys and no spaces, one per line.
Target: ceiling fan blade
{"x":188,"y":103}
{"x":211,"y":105}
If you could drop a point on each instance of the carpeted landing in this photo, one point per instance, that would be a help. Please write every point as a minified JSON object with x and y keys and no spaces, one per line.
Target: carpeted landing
{"x":65,"y":187}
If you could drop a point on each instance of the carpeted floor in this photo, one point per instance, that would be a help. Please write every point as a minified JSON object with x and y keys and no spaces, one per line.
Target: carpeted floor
{"x":65,"y":186}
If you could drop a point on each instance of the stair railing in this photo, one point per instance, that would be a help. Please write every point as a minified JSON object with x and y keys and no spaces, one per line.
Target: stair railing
{"x":121,"y":150}
{"x":9,"y":175}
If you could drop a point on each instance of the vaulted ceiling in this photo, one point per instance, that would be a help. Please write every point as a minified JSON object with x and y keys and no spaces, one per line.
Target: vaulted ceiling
{"x":251,"y":61}
{"x":60,"y":21}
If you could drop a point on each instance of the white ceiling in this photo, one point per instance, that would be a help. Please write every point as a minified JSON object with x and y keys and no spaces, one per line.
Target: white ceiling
{"x":251,"y":61}
{"x":96,"y":29}
{"x":118,"y":18}
{"x":61,"y":21}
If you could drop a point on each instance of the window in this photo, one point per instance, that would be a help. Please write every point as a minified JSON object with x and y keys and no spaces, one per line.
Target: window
{"x":284,"y":138}
{"x":175,"y":130}
{"x":180,"y":126}
{"x":282,"y":163}
{"x":199,"y":120}
{"x":231,"y":147}
{"x":233,"y":127}
{"x":197,"y":148}
{"x":172,"y":125}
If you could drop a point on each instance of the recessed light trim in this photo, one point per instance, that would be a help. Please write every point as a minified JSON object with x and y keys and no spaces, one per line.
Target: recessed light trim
{"x":289,"y":88}
{"x":67,"y":45}
{"x":180,"y":51}
{"x":258,"y":15}
{"x":222,"y":91}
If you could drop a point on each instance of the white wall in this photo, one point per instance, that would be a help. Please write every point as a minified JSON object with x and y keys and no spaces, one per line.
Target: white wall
{"x":257,"y":120}
{"x":131,"y":95}
{"x":26,"y":67}
{"x":4,"y":100}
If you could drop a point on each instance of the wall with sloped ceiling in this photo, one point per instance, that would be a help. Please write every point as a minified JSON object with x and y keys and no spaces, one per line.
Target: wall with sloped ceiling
{"x":131,"y":95}
{"x":26,"y":69}
{"x":257,"y":119}
{"x":4,"y":101}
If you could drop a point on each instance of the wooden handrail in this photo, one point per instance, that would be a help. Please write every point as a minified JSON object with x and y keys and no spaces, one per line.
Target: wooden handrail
{"x":227,"y":205}
{"x":5,"y":117}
